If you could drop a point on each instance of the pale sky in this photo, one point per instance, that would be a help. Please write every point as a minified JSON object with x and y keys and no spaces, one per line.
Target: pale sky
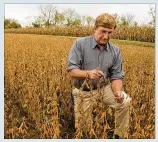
{"x":25,"y":12}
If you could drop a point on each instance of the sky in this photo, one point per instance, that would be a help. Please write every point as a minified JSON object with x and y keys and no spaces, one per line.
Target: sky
{"x":25,"y":13}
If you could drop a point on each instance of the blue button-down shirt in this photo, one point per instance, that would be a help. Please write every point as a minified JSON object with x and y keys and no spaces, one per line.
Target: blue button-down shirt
{"x":86,"y":55}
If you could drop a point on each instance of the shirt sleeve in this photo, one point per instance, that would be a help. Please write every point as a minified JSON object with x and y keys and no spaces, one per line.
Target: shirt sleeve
{"x":74,"y":57}
{"x":116,"y":71}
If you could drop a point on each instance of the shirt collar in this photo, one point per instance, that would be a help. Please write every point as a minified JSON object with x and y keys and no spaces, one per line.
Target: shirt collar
{"x":95,"y":43}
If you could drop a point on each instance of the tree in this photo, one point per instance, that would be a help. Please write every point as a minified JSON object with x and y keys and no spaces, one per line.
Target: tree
{"x":11,"y":23}
{"x":76,"y":21}
{"x":117,"y":18}
{"x":135,"y":23}
{"x":127,"y":19}
{"x":58,"y":19}
{"x":47,"y":13}
{"x":70,"y":15}
{"x":123,"y":21}
{"x":89,"y":20}
{"x":30,"y":20}
{"x":152,"y":14}
{"x":6,"y":23}
{"x":83,"y":20}
{"x":39,"y":22}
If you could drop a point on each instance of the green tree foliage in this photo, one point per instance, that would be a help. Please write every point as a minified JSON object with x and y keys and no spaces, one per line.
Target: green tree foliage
{"x":126,"y":20}
{"x":39,"y":22}
{"x":58,"y":18}
{"x":11,"y":23}
{"x":89,"y":20}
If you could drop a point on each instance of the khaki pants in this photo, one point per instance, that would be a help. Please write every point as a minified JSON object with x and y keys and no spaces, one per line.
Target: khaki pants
{"x":87,"y":100}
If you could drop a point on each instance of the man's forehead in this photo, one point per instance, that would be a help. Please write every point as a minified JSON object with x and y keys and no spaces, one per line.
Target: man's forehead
{"x":106,"y":29}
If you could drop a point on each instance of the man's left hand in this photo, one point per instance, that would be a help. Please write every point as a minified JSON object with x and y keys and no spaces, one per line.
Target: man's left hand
{"x":119,"y":97}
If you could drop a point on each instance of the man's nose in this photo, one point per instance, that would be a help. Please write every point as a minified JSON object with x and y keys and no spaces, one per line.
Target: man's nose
{"x":106,"y":35}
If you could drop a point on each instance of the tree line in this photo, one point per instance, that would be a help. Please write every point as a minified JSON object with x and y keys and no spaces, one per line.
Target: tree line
{"x":50,"y":16}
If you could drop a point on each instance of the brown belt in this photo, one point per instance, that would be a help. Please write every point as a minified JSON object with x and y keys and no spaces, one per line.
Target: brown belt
{"x":86,"y":89}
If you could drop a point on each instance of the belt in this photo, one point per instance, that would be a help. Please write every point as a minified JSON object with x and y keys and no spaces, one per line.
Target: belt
{"x":86,"y":89}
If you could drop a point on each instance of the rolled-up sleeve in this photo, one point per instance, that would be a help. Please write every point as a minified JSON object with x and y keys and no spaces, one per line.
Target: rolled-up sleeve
{"x":116,"y":71}
{"x":74,"y":58}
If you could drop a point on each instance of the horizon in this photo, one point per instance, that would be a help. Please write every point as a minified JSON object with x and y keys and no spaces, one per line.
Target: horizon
{"x":26,"y":13}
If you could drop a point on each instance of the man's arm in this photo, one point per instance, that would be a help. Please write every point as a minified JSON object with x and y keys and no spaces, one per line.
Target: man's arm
{"x":78,"y":74}
{"x":117,"y":85}
{"x":116,"y":76}
{"x":82,"y":74}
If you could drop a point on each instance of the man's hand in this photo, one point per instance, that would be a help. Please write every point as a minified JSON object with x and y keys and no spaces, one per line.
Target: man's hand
{"x":119,"y":97}
{"x":95,"y":74}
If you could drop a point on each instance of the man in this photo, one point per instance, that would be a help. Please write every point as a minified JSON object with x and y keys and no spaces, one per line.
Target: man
{"x":94,"y":57}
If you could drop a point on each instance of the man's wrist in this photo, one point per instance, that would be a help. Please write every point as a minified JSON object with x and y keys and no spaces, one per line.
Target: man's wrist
{"x":88,"y":74}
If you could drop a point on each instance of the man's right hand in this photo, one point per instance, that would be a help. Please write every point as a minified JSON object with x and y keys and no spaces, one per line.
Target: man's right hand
{"x":95,"y":74}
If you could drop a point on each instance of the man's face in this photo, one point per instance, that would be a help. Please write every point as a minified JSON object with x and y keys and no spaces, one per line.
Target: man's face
{"x":103,"y":35}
